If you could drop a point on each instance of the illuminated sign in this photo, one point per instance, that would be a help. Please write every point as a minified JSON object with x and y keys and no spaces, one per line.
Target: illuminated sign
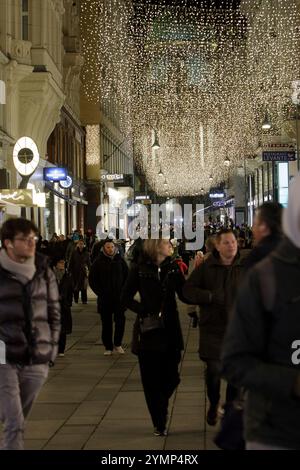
{"x":142,"y":197}
{"x":216,"y":195}
{"x":26,"y":156}
{"x":67,"y":183}
{"x":19,"y":197}
{"x":114,"y":177}
{"x":278,"y":156}
{"x":219,"y":204}
{"x":55,"y":174}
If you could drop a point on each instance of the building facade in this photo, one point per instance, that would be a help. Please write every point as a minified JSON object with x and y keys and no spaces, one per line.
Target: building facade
{"x":40,"y":66}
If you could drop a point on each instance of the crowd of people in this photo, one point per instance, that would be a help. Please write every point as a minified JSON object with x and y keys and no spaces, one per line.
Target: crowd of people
{"x":241,"y":289}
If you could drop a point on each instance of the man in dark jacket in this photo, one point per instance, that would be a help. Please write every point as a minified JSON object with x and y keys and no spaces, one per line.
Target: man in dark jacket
{"x":29,"y":326}
{"x":261,"y":350}
{"x":213,"y":286}
{"x":266,"y":232}
{"x":107,"y":277}
{"x":79,"y":269}
{"x":65,"y":287}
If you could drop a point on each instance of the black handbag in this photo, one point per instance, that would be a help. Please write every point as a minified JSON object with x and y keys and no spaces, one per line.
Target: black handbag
{"x":151,"y":323}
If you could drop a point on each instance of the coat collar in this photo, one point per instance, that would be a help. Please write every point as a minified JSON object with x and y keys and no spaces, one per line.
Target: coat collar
{"x":214,"y":260}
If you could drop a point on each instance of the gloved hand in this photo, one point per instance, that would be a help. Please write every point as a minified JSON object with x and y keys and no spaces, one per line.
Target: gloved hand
{"x":218,"y":297}
{"x":182,"y":266}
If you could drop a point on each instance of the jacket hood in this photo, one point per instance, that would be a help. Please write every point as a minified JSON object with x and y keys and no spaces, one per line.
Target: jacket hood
{"x":291,"y":215}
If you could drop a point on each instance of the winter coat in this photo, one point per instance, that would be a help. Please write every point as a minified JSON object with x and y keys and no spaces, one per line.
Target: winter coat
{"x":65,"y":287}
{"x":30,"y":315}
{"x":157,"y":286}
{"x":213,"y":286}
{"x":106,"y":279}
{"x":79,"y":268}
{"x":258,"y":348}
{"x":261,"y":250}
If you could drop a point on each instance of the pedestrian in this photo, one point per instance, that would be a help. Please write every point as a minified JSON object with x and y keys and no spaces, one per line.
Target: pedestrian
{"x":213,"y":287}
{"x":261,"y":350}
{"x":157,"y":279}
{"x":65,"y":286}
{"x":29,"y":326}
{"x":79,"y":267}
{"x":107,"y":277}
{"x":267,"y":232}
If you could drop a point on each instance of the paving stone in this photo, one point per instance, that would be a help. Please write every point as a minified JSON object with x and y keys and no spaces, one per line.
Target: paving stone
{"x":43,"y":411}
{"x":42,"y":429}
{"x":76,"y":429}
{"x":84,"y":420}
{"x":34,"y":444}
{"x":66,"y":442}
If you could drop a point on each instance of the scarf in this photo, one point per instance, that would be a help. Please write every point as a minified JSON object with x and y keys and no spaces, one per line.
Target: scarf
{"x":24,"y":272}
{"x":291,"y":215}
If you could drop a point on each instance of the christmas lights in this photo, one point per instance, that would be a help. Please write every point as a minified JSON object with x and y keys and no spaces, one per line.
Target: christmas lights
{"x":202,"y":74}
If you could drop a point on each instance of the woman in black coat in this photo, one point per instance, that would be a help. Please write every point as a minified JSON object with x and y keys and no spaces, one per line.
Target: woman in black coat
{"x":65,"y":287}
{"x":157,"y":279}
{"x":79,"y":267}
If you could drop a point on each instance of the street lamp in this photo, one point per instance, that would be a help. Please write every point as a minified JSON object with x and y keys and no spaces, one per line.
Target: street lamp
{"x":266,"y":125}
{"x":155,"y":144}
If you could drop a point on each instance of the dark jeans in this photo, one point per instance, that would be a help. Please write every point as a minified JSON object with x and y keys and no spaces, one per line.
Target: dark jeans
{"x":83,"y":295}
{"x":108,"y":314}
{"x":160,"y":377}
{"x":213,"y":383}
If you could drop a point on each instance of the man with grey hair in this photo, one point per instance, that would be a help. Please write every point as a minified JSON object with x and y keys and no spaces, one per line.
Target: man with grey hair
{"x":29,"y":326}
{"x":262,"y":346}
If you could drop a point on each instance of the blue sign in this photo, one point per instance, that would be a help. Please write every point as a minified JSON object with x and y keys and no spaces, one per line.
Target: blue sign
{"x":278,"y":156}
{"x":67,"y":183}
{"x":54,"y":173}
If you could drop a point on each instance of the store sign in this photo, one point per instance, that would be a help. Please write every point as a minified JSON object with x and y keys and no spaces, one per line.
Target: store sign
{"x":141,"y":197}
{"x":19,"y":197}
{"x":217,"y":195}
{"x":278,"y":156}
{"x":55,"y":174}
{"x":113,"y":177}
{"x":218,"y":204}
{"x":67,"y":183}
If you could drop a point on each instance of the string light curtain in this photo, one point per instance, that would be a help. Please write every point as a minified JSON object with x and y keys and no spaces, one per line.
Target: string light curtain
{"x":201,"y":74}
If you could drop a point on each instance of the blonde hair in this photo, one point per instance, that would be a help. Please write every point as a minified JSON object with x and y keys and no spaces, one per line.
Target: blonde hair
{"x":151,"y":247}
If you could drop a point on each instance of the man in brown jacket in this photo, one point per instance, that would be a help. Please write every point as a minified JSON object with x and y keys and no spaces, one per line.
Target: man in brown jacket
{"x":213,"y":286}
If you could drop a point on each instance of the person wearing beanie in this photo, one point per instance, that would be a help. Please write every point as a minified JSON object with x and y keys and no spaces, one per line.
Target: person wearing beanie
{"x":107,"y":276}
{"x":261,"y":351}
